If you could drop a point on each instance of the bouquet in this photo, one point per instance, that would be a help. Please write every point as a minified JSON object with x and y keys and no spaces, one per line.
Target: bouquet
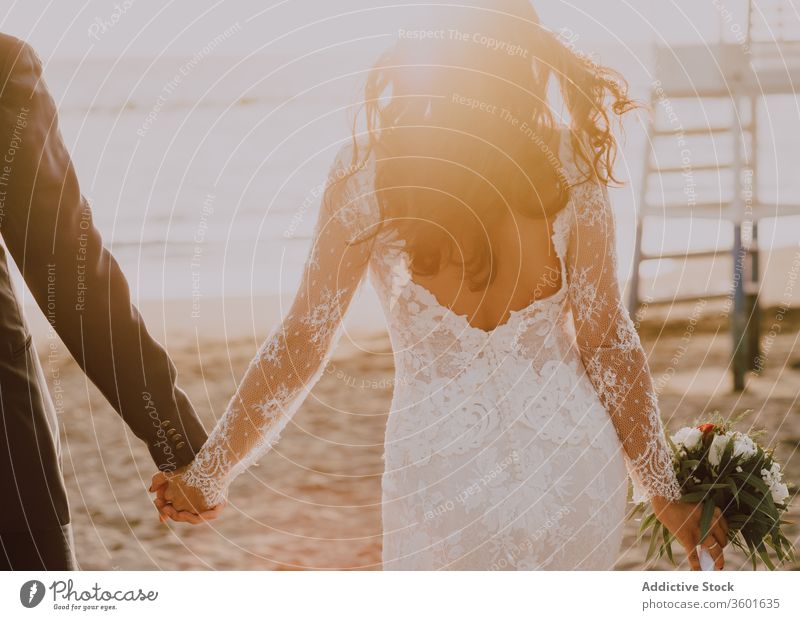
{"x":718,"y":466}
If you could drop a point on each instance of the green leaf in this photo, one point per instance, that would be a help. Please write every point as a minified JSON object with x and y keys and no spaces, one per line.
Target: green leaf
{"x":668,"y":545}
{"x":755,"y":504}
{"x":693,"y":497}
{"x":753,"y":480}
{"x":726,"y":453}
{"x":705,"y":518}
{"x":653,"y":543}
{"x":636,"y":510}
{"x":765,"y":558}
{"x":688,"y":466}
{"x":711,"y":486}
{"x":647,"y":521}
{"x":752,"y":554}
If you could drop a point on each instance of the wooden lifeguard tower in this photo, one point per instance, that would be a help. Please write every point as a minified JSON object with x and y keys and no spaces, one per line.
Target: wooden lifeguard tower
{"x":701,"y":164}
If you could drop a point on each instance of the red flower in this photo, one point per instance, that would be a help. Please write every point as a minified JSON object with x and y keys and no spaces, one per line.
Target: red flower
{"x":706,"y":428}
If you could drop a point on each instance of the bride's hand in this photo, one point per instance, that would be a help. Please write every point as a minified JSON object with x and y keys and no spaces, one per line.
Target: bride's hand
{"x":179,"y":501}
{"x":683,"y":521}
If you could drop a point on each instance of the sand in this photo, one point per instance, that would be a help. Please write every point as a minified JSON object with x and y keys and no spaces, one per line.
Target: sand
{"x":314,"y":502}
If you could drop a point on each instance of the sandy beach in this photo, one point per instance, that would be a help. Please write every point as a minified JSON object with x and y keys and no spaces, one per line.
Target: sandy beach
{"x":314,"y":502}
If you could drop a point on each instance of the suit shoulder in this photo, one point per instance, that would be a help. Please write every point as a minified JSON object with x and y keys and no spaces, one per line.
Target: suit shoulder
{"x":13,"y":49}
{"x":16,"y":56}
{"x":9,"y":43}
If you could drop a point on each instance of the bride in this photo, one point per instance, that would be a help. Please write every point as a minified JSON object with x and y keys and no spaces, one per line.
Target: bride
{"x":522,"y":392}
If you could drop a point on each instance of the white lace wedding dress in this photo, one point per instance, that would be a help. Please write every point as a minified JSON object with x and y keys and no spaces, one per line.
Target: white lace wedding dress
{"x":504,"y":449}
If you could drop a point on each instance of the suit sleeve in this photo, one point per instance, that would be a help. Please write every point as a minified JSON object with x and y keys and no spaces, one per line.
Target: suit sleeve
{"x":48,"y":228}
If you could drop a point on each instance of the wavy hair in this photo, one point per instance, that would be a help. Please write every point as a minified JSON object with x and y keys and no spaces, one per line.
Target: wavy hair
{"x":459,"y":121}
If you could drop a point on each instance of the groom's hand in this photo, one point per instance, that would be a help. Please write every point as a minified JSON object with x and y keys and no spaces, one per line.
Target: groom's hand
{"x":180,"y":502}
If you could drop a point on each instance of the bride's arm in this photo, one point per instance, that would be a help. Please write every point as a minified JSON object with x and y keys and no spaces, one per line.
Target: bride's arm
{"x":610,"y":347}
{"x":292,"y":358}
{"x":617,"y":367}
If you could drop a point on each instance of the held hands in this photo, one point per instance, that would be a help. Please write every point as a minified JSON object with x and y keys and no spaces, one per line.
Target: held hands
{"x":177,"y":500}
{"x":683,"y":521}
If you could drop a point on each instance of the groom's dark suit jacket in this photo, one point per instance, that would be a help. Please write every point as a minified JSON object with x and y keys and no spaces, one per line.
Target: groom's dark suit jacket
{"x":46,"y":226}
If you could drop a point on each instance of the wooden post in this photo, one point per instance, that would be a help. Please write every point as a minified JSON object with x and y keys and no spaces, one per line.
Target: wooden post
{"x":633,"y":290}
{"x":754,"y":280}
{"x":738,"y":315}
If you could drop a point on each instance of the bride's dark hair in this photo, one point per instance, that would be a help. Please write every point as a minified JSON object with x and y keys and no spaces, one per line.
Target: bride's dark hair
{"x":462,"y":131}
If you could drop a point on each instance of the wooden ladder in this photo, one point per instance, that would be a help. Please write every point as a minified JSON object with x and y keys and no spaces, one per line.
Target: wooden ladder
{"x":733,"y":75}
{"x":674,"y":188}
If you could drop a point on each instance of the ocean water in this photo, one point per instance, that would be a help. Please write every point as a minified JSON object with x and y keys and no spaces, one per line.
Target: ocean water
{"x":205,"y":172}
{"x":204,"y":178}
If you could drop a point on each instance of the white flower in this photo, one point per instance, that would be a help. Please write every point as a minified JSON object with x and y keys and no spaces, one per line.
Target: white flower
{"x":688,"y":437}
{"x":772,"y":475}
{"x":739,"y":469}
{"x":717,"y":448}
{"x":779,"y":492}
{"x":743,"y":446}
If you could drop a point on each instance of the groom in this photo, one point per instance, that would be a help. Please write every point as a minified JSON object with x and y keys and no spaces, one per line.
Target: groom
{"x":46,"y":226}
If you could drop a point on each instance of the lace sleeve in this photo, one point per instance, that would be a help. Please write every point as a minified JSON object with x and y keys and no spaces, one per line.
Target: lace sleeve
{"x":293,"y":357}
{"x":610,"y":347}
